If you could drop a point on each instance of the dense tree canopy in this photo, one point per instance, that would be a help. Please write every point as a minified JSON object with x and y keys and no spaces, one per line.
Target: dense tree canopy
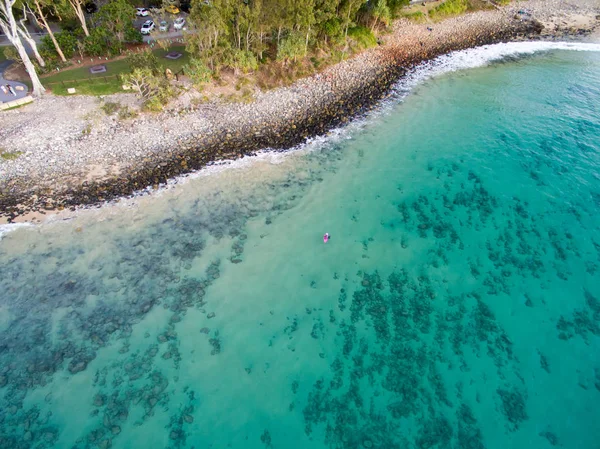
{"x":237,"y":32}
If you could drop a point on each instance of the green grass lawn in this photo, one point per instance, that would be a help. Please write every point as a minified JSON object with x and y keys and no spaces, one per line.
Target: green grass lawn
{"x":108,"y":82}
{"x":449,"y":8}
{"x":174,"y":64}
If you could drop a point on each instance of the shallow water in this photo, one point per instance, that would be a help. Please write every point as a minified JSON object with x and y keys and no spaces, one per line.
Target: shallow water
{"x":456,"y":305}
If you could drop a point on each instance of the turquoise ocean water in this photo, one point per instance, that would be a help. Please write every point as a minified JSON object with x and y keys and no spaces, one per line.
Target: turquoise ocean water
{"x":457,"y":304}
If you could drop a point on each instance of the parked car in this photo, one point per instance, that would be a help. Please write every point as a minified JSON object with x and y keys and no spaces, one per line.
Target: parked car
{"x":179,"y":23}
{"x":141,"y":12}
{"x":147,"y":27}
{"x":163,"y":25}
{"x":172,"y":9}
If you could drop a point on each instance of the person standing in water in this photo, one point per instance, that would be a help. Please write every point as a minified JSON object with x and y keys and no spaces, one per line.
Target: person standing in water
{"x":326,"y":237}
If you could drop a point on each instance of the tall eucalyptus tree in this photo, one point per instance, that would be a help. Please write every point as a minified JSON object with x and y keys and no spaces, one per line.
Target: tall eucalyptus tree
{"x":12,"y":30}
{"x":37,"y":8}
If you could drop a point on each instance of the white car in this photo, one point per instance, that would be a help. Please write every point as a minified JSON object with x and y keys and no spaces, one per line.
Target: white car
{"x":163,"y":26}
{"x":179,"y":23}
{"x":141,"y":12}
{"x":147,"y":27}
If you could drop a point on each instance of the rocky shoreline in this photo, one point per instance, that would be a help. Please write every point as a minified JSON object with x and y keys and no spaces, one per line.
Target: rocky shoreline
{"x":62,"y":166}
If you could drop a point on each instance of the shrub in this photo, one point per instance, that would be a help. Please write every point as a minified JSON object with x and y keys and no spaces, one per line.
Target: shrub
{"x":101,"y":42}
{"x":153,"y":88}
{"x":97,"y":43}
{"x":417,"y":16}
{"x":449,"y":8}
{"x":197,"y":71}
{"x":290,"y":47}
{"x":396,"y":6}
{"x":67,"y":42}
{"x":333,"y":31}
{"x":243,"y":60}
{"x":11,"y":53}
{"x":110,"y":107}
{"x":126,"y":113}
{"x":153,"y":105}
{"x":9,"y":155}
{"x":363,"y":36}
{"x":144,"y":59}
{"x":133,"y":35}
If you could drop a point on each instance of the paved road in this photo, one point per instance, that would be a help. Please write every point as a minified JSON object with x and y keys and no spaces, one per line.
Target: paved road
{"x":4,"y":42}
{"x":8,"y":96}
{"x":137,"y":23}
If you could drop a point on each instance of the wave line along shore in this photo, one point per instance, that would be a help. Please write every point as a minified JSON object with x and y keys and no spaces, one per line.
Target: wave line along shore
{"x":61,"y":167}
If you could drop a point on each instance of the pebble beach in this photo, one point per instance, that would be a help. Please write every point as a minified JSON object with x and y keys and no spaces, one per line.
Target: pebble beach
{"x":71,"y":153}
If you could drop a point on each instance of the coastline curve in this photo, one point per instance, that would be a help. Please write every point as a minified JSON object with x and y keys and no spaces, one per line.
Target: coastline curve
{"x":316,"y":109}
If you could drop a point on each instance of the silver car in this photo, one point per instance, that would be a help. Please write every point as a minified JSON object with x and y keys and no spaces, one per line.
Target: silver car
{"x":179,"y":23}
{"x":163,"y":26}
{"x":147,"y":27}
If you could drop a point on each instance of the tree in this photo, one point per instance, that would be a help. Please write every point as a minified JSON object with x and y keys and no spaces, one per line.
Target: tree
{"x":153,"y":88}
{"x":77,"y":6}
{"x":11,"y":29}
{"x":326,"y":18}
{"x":41,"y":20}
{"x":212,"y":22}
{"x":381,"y":13}
{"x":144,"y":59}
{"x":276,"y":16}
{"x":349,"y":9}
{"x":26,"y":35}
{"x":115,"y":16}
{"x":290,"y":47}
{"x":66,"y":40}
{"x":396,"y":5}
{"x":263,"y":25}
{"x":243,"y":21}
{"x":198,"y":72}
{"x":303,"y":14}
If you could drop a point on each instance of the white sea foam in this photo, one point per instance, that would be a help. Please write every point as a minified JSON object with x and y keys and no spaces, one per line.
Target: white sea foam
{"x":482,"y":56}
{"x":455,"y":61}
{"x":451,"y":62}
{"x":6,"y":228}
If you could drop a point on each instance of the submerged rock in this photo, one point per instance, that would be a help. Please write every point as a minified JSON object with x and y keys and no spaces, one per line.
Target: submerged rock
{"x":77,"y":366}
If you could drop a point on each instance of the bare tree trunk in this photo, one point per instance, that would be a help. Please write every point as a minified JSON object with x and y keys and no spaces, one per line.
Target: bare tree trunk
{"x":374,"y":24}
{"x":44,"y":23}
{"x":24,"y":32}
{"x":9,"y":26}
{"x":76,"y":4}
{"x":347,"y":24}
{"x":306,"y":43}
{"x":38,"y":89}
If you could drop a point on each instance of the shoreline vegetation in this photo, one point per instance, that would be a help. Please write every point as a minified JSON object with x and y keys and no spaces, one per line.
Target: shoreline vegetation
{"x":84,"y":151}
